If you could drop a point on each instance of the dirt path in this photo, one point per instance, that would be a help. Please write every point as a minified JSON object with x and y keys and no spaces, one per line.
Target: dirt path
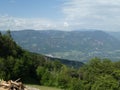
{"x":31,"y":88}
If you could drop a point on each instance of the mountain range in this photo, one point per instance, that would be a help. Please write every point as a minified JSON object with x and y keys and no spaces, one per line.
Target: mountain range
{"x":115,"y":34}
{"x":72,"y":45}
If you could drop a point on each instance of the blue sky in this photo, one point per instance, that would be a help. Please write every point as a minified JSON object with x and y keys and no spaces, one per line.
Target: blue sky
{"x":31,"y":8}
{"x":60,"y":14}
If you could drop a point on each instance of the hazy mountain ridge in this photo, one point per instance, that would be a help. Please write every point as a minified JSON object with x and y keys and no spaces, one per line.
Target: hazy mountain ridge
{"x":115,"y":34}
{"x":74,"y":45}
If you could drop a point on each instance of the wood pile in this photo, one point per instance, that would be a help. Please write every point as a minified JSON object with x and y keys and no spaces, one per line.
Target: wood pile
{"x":11,"y":85}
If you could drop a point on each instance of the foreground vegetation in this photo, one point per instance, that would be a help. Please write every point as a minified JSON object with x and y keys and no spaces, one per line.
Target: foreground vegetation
{"x":98,"y":74}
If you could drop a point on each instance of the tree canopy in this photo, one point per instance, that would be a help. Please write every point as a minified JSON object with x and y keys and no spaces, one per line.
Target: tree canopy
{"x":97,"y":74}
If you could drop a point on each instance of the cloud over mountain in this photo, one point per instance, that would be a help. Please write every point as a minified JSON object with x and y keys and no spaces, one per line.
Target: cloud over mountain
{"x":98,"y":14}
{"x":13,"y":23}
{"x":75,"y":14}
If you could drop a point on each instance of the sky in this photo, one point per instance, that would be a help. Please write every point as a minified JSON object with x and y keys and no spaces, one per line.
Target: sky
{"x":60,"y":14}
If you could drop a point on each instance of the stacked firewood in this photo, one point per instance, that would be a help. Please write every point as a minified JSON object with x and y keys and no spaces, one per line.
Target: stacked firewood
{"x":11,"y":85}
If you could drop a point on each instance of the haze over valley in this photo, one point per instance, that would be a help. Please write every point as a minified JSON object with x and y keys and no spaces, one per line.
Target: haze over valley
{"x":72,"y":45}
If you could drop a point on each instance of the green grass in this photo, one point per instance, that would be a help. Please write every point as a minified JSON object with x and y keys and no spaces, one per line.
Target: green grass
{"x":43,"y":87}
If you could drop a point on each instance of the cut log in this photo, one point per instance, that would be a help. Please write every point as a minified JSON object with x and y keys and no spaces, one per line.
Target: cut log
{"x":12,"y":85}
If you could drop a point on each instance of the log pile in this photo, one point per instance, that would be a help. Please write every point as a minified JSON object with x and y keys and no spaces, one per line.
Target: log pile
{"x":11,"y":85}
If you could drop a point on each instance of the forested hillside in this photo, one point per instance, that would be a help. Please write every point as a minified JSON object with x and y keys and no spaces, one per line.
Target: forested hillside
{"x":97,"y":74}
{"x":15,"y":60}
{"x":72,"y":45}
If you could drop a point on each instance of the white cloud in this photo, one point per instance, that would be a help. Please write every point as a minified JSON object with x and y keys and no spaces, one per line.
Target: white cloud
{"x":97,"y":14}
{"x":78,"y":14}
{"x":66,"y":24}
{"x":14,"y":23}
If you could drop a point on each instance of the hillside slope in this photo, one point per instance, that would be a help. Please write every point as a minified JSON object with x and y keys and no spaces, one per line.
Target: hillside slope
{"x":73,"y":45}
{"x":16,"y":62}
{"x":98,"y":74}
{"x":115,"y":34}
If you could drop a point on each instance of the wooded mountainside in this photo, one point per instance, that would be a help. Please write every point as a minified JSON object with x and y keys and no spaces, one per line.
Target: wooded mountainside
{"x":97,"y":74}
{"x":72,"y":45}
